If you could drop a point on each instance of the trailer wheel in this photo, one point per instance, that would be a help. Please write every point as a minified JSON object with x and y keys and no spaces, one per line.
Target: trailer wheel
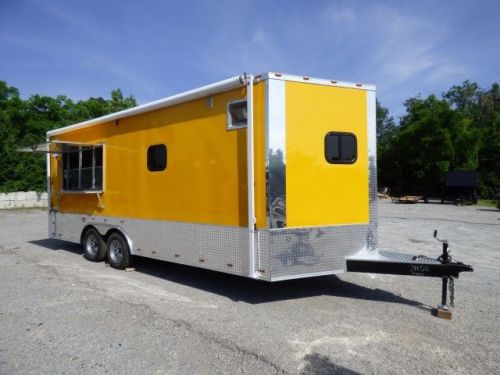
{"x":94,"y":247}
{"x":118,"y":251}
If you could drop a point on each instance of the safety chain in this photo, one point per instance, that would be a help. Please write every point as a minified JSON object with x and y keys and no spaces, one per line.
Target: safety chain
{"x":451,"y":288}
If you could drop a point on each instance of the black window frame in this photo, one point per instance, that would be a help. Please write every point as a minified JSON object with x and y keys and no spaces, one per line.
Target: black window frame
{"x":163,"y":166}
{"x":341,"y":161}
{"x":75,"y":174}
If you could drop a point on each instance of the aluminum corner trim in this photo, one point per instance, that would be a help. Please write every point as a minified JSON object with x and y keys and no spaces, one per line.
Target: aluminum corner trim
{"x":372,"y":237}
{"x":276,"y":153}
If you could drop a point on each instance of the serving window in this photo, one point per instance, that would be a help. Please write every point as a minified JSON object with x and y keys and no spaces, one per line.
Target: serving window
{"x":82,"y":167}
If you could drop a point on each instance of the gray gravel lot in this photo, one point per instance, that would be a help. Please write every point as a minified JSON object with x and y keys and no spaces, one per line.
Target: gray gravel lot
{"x":60,"y":314}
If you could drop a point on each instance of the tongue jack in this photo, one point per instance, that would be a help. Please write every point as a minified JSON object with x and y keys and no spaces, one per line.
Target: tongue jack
{"x":443,"y":311}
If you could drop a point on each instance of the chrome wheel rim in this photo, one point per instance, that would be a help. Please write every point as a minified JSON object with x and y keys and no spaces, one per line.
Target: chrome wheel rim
{"x":116,"y":251}
{"x":92,"y":245}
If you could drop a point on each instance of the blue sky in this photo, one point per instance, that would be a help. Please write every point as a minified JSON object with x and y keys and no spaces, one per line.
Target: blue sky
{"x":156,"y":48}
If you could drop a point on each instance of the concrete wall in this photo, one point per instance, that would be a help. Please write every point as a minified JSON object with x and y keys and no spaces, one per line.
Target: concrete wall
{"x":22,"y":199}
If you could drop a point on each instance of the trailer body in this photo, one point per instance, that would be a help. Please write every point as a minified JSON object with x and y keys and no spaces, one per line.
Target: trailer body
{"x":272,"y":177}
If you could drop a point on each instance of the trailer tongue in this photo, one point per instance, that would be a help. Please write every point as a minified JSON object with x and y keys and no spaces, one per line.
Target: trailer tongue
{"x":392,"y":263}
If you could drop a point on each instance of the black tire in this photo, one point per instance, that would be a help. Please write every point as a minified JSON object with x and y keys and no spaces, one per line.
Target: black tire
{"x":118,"y":251}
{"x":94,"y":247}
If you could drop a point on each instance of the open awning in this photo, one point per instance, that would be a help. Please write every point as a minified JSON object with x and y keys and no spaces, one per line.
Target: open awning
{"x":40,"y":148}
{"x":53,"y":147}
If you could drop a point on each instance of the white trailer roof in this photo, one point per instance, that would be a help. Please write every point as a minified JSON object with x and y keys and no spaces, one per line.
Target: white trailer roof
{"x":225,"y":85}
{"x":316,"y":81}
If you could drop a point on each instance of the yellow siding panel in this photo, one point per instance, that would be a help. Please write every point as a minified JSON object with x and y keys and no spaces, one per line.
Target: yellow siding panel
{"x":205,"y":180}
{"x":319,"y":193}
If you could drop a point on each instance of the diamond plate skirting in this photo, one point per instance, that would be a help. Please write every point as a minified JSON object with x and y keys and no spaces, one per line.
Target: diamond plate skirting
{"x":280,"y":253}
{"x":302,"y":252}
{"x":218,"y":248}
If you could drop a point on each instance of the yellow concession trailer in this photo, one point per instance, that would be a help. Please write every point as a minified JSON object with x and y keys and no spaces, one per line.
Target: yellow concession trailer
{"x":270,"y":176}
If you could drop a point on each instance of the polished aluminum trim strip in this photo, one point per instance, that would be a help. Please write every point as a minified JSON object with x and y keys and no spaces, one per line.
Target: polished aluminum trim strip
{"x":276,"y":153}
{"x":51,"y":226}
{"x":372,"y":240}
{"x":47,"y":161}
{"x":250,"y":177}
{"x":266,"y":148}
{"x":220,"y":86}
{"x":277,"y":117}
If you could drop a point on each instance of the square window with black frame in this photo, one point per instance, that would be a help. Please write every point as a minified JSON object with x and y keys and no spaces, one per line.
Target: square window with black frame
{"x":236,"y":114}
{"x":340,"y":148}
{"x":157,"y":158}
{"x":82,"y":167}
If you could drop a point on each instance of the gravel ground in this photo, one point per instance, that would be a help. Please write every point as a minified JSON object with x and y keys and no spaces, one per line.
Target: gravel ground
{"x":60,"y":314}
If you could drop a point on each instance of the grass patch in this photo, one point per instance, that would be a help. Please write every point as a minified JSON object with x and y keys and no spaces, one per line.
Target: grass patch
{"x":486,"y":203}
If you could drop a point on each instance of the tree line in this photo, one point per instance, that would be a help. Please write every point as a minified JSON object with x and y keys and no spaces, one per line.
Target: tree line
{"x":26,"y":122}
{"x":458,"y":131}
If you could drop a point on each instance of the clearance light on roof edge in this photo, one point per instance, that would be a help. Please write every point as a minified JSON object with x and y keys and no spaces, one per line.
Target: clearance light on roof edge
{"x":306,"y":78}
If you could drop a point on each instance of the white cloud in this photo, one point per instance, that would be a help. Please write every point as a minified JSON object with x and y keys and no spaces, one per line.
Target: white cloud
{"x":76,"y":22}
{"x":101,"y":62}
{"x":252,"y":51}
{"x":397,"y":46}
{"x":74,"y":56}
{"x":403,"y":53}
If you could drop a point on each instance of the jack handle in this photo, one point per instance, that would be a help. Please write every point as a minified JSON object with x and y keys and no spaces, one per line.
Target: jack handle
{"x":445,"y":256}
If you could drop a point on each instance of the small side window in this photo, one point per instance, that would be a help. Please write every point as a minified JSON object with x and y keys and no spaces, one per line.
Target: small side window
{"x":340,"y":148}
{"x":236,"y":114}
{"x":157,"y":158}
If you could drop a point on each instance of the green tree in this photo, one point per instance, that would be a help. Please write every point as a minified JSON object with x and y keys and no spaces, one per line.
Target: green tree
{"x":386,"y":132}
{"x":385,"y":123}
{"x":482,"y":109}
{"x":464,"y":97}
{"x":488,"y":124}
{"x":118,"y":102}
{"x":431,"y":139}
{"x":26,"y":122}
